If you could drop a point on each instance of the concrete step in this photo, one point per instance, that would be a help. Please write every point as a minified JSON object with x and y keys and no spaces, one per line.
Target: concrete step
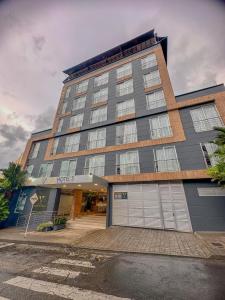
{"x":87,"y":222}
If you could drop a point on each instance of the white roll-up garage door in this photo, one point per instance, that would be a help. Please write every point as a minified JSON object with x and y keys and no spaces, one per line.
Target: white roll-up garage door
{"x":152,"y":205}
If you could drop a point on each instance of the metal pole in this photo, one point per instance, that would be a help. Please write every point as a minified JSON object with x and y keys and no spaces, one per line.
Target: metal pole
{"x":25,"y":234}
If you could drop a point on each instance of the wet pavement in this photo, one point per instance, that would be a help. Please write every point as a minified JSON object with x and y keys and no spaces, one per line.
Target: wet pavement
{"x":56,"y":272}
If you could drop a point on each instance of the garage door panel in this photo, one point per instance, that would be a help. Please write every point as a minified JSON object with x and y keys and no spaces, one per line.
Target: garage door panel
{"x":135,"y":212}
{"x":150,"y":188}
{"x":120,"y":188}
{"x":153,"y":223}
{"x":152,"y":212}
{"x":120,"y":220}
{"x":136,"y":222}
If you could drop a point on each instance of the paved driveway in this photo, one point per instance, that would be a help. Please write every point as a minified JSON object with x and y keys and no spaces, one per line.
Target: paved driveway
{"x":140,"y":240}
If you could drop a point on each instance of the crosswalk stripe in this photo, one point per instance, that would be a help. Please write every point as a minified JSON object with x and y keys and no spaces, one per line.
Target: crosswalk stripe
{"x":73,"y":262}
{"x":60,"y":290}
{"x":6,"y":245}
{"x":57,"y":272}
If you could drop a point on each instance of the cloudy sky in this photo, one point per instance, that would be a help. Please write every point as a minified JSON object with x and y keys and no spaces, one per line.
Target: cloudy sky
{"x":39,"y":39}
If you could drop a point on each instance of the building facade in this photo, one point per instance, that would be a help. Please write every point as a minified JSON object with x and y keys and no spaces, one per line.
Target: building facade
{"x":123,"y":144}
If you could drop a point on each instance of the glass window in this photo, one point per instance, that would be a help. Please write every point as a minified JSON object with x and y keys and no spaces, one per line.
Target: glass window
{"x":149,"y":61}
{"x":205,"y":118}
{"x":76,"y":121}
{"x":125,"y":108}
{"x":68,"y":168}
{"x":100,"y":96}
{"x":60,"y":125}
{"x":55,"y":145}
{"x":166,"y":159}
{"x":35,"y":150}
{"x":45,"y":170}
{"x":64,"y":107}
{"x":124,"y":88}
{"x":127,"y":163}
{"x":155,"y":99}
{"x":152,"y":78}
{"x":99,"y":115}
{"x":68,"y":90}
{"x":123,"y":71}
{"x":126,"y":133}
{"x":160,"y":126}
{"x":97,"y":138}
{"x":95,"y":165}
{"x":82,"y":87}
{"x":72,"y":142}
{"x":208,"y":150}
{"x":79,"y":103}
{"x":29,"y":170}
{"x":21,"y":202}
{"x":102,"y":79}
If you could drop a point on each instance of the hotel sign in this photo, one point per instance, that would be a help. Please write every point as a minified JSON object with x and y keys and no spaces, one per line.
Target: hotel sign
{"x":65,"y":179}
{"x":120,"y":195}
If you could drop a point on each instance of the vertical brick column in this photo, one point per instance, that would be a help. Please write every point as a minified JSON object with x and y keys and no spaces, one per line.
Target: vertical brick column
{"x":76,"y":205}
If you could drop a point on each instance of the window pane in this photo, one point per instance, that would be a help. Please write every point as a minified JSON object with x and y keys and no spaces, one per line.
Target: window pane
{"x":128,"y":163}
{"x":155,"y":99}
{"x":64,"y":106}
{"x":152,"y":78}
{"x":35,"y":150}
{"x":55,"y":145}
{"x":30,"y":170}
{"x":99,"y":115}
{"x":166,"y":159}
{"x":60,"y":125}
{"x":160,"y":126}
{"x":95,"y":165}
{"x":79,"y":103}
{"x":208,"y":150}
{"x":68,"y":90}
{"x":125,"y":108}
{"x":45,"y":170}
{"x":76,"y":121}
{"x":72,"y":143}
{"x":102,"y":79}
{"x":124,"y":88}
{"x":68,"y":168}
{"x":126,"y":133}
{"x":82,"y":87}
{"x":96,"y":139}
{"x":149,"y":61}
{"x":100,"y":96}
{"x":125,"y":70}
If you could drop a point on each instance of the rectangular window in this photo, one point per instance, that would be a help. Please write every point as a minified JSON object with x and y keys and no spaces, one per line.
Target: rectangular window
{"x":79,"y":103}
{"x":64,"y":107}
{"x":123,"y":71}
{"x":95,"y":165}
{"x":55,"y":145}
{"x":208,"y":150}
{"x":98,"y":115}
{"x":82,"y":87}
{"x":152,"y":78}
{"x":205,"y":118}
{"x":102,"y":79}
{"x":127,"y":163}
{"x":60,"y":125}
{"x":149,"y":61}
{"x":155,"y":99}
{"x":126,"y":133}
{"x":35,"y":150}
{"x":29,"y":170}
{"x":45,"y":170}
{"x":97,"y":138}
{"x":160,"y":126}
{"x":76,"y":121}
{"x":100,"y":96}
{"x":166,"y":159}
{"x":124,"y":88}
{"x":125,"y":108}
{"x":68,"y":90}
{"x":21,"y":202}
{"x":72,"y":143}
{"x":68,"y":168}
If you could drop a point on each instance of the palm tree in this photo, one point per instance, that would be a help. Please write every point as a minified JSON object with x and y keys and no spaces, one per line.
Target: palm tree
{"x":220,"y":139}
{"x":13,"y":178}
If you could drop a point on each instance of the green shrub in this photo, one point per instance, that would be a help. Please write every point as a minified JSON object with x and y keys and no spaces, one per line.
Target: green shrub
{"x":4,"y":208}
{"x":44,"y":225}
{"x":59,"y":221}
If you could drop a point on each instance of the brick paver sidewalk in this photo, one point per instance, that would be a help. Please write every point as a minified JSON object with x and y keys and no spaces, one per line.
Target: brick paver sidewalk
{"x":146,"y":241}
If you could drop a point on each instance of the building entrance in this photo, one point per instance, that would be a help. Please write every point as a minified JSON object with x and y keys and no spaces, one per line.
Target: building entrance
{"x":94,"y":203}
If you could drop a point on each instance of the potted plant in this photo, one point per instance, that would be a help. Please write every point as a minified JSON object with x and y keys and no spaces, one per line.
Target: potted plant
{"x":44,"y":227}
{"x":59,"y":223}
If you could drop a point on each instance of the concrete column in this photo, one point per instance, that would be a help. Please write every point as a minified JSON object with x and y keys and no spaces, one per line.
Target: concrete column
{"x":76,"y":205}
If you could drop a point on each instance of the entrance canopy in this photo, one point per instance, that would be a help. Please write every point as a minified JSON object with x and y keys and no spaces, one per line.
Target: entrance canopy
{"x":89,"y":183}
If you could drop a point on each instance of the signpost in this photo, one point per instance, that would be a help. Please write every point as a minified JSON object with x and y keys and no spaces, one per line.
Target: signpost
{"x":33,"y":200}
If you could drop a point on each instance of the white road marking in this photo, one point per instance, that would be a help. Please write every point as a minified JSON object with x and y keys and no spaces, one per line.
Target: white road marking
{"x":73,"y":262}
{"x":3,"y":245}
{"x":60,"y":290}
{"x":57,"y":272}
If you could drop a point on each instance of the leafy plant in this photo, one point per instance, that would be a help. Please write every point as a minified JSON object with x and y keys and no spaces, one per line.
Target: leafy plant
{"x":44,"y":225}
{"x":4,"y":208}
{"x":59,"y":221}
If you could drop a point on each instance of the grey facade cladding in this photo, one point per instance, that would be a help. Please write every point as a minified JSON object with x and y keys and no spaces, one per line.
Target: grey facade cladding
{"x":206,"y":213}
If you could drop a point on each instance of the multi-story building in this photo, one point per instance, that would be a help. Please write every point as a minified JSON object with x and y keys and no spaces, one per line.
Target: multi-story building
{"x":123,"y":143}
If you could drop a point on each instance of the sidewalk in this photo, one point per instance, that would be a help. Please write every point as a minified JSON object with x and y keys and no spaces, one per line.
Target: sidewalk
{"x":216,"y":241}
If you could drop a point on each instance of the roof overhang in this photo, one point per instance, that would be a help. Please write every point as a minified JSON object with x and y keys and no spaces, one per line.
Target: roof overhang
{"x":83,"y":182}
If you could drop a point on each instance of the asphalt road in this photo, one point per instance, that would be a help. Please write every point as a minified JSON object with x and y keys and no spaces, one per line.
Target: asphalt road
{"x":54,"y":272}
